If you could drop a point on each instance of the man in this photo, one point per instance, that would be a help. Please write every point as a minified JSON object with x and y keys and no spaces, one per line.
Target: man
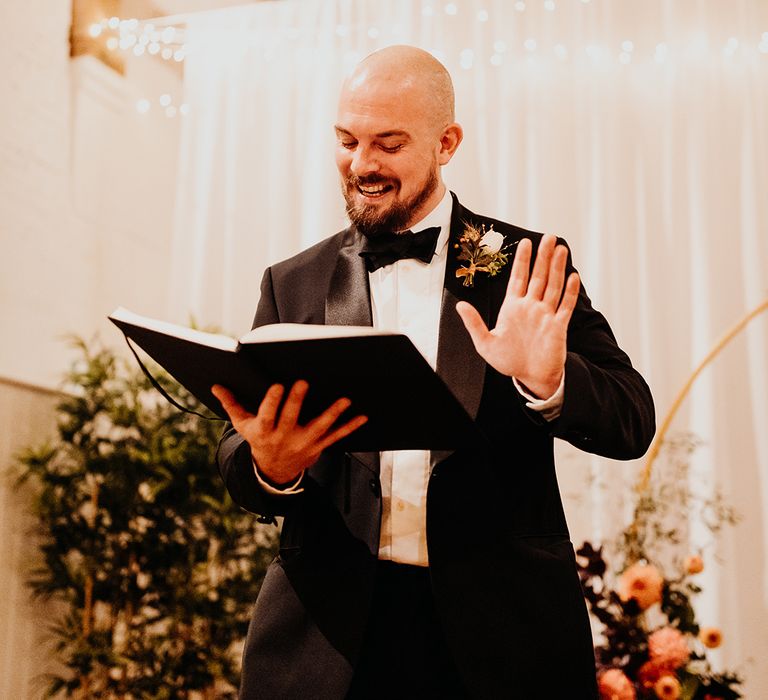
{"x":409,"y":573}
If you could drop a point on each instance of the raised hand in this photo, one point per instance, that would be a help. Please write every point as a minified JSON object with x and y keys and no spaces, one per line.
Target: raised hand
{"x":529,"y":340}
{"x":281,"y":447}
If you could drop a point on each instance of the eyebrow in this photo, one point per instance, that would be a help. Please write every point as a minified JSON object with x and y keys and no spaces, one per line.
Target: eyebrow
{"x":381,"y":135}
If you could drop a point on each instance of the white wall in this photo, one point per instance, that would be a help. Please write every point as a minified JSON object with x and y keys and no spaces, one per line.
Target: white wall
{"x":86,"y":192}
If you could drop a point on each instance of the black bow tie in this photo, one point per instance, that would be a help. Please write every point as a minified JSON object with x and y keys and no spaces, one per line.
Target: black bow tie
{"x":388,"y":248}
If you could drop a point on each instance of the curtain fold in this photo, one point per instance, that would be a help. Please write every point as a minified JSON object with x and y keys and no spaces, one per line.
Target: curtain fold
{"x":650,"y":158}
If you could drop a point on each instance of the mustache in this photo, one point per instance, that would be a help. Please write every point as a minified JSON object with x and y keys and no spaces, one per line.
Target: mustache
{"x":353,"y":180}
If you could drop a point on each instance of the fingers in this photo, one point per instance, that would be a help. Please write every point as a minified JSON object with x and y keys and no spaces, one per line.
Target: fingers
{"x":267,"y":412}
{"x":518,"y":276}
{"x":548,"y":275}
{"x":570,"y":297}
{"x":540,"y":275}
{"x":290,"y":413}
{"x":342,"y":432}
{"x":233,"y":409}
{"x":474,"y":323}
{"x":554,"y":288}
{"x":320,"y":425}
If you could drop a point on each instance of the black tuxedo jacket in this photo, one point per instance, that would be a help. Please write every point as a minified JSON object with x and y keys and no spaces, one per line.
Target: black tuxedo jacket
{"x":501,"y":563}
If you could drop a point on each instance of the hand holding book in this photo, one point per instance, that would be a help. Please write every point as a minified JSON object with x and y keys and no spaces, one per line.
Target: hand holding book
{"x":281,"y":447}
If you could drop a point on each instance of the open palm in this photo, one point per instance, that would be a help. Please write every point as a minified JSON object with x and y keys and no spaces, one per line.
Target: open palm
{"x":529,"y":340}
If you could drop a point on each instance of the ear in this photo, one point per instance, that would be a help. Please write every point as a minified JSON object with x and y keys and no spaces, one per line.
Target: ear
{"x":449,"y":142}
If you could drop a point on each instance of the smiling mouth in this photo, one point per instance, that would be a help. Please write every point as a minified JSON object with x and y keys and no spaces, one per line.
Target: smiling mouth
{"x":374,"y":191}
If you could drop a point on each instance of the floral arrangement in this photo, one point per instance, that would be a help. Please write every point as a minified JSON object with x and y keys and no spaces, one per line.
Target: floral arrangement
{"x":482,"y":250}
{"x":652,"y":645}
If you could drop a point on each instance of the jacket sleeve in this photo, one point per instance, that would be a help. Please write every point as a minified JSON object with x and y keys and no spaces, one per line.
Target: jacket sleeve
{"x":234,"y":455}
{"x":607,"y":406}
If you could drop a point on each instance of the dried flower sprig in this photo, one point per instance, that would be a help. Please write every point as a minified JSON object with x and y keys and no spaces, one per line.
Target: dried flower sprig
{"x":482,"y":250}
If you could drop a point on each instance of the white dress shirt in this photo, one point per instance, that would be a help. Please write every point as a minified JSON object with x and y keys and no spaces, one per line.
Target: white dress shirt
{"x":406,"y":298}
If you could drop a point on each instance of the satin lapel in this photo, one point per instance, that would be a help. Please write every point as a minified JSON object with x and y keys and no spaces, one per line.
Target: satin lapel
{"x":349,"y":299}
{"x":348,"y":303}
{"x":458,"y":364}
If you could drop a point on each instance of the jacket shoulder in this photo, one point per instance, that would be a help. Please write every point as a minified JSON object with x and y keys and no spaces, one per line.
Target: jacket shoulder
{"x":461,"y":216}
{"x":510,"y":231}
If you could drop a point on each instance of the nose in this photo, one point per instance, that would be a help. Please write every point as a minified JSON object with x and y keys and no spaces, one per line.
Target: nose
{"x":364,"y":162}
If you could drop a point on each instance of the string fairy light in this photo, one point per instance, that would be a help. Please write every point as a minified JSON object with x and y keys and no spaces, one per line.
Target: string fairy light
{"x":165,"y":38}
{"x":145,"y":37}
{"x":163,"y":105}
{"x":141,"y":37}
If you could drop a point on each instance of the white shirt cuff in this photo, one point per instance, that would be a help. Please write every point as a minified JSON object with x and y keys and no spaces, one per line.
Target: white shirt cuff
{"x":549,"y":408}
{"x":286,"y":490}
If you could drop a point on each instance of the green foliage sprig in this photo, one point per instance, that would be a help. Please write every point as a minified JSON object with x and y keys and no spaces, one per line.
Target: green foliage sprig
{"x":155,"y":566}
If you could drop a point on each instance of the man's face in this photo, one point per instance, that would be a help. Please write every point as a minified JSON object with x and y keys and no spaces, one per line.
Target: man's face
{"x":387,"y":157}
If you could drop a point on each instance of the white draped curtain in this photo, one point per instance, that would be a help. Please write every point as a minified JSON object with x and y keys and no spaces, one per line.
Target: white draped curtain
{"x":638,"y":130}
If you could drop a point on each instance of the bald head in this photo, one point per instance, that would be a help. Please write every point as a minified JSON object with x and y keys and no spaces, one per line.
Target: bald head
{"x":405,"y":73}
{"x":395,"y":130}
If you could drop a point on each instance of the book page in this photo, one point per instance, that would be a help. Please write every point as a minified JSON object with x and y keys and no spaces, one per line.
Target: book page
{"x":213,"y":340}
{"x":302,"y":331}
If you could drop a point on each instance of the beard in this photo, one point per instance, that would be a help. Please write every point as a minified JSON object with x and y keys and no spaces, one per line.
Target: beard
{"x":373,"y":221}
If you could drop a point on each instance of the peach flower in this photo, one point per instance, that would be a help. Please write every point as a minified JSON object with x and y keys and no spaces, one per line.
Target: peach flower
{"x":643,"y":583}
{"x":667,"y":688}
{"x":693,"y":564}
{"x":668,"y":649}
{"x":614,"y":685}
{"x":711,"y":637}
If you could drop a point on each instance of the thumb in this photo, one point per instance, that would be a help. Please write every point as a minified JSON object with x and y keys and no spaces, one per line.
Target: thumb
{"x":474,"y":323}
{"x":230,"y":405}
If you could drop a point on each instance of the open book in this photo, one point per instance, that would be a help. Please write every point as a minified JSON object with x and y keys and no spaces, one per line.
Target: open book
{"x":382,"y":373}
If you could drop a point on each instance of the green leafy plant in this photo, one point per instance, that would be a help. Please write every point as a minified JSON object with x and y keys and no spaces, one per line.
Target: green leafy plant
{"x":155,"y":567}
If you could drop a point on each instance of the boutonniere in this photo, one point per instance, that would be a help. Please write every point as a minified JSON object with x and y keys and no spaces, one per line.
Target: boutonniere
{"x":482,"y":251}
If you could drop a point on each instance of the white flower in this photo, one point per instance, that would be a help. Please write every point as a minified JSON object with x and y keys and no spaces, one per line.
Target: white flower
{"x":492,"y":241}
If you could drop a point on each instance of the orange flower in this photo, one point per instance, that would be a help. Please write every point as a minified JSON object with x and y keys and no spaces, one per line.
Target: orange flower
{"x":667,"y":688}
{"x":649,"y":673}
{"x":643,"y":583}
{"x":614,"y":685}
{"x":668,"y":649}
{"x":711,"y":637}
{"x":694,"y":564}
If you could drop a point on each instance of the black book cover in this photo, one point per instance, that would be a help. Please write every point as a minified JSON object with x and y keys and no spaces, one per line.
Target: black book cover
{"x":384,"y":375}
